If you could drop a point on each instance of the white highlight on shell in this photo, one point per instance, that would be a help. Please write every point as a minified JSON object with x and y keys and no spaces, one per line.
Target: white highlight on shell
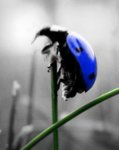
{"x":57,"y":28}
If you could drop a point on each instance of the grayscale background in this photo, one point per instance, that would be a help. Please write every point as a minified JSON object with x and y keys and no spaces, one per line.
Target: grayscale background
{"x":98,"y":22}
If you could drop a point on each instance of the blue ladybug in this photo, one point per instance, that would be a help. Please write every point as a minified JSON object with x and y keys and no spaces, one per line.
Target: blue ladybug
{"x":85,"y":57}
{"x":78,"y":69}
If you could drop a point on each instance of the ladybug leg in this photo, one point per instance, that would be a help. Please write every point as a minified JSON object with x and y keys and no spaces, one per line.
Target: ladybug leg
{"x":59,"y":72}
{"x":49,"y":68}
{"x":52,"y":53}
{"x":46,"y":49}
{"x":59,"y":80}
{"x":59,"y":83}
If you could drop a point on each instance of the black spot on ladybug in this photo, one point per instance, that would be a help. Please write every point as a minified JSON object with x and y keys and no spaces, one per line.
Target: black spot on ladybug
{"x":91,"y":76}
{"x":79,"y":49}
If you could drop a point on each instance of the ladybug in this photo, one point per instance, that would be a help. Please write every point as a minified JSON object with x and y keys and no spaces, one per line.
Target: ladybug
{"x":78,"y":65}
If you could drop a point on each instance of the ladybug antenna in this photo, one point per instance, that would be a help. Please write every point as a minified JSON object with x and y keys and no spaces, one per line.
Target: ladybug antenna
{"x":44,"y":31}
{"x":36,"y":36}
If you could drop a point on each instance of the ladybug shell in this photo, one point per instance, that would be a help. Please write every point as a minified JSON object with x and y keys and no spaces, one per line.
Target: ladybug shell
{"x":85,"y":57}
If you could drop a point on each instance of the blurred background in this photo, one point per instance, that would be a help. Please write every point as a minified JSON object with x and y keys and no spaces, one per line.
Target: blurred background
{"x":30,"y":108}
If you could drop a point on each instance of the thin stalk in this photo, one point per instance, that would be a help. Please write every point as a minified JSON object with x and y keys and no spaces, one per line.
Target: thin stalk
{"x":54,"y":102}
{"x":31,"y":89}
{"x":31,"y":92}
{"x":69,"y":117}
{"x":15,"y":97}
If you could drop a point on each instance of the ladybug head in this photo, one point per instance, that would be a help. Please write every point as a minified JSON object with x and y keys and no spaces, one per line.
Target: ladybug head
{"x":54,"y":33}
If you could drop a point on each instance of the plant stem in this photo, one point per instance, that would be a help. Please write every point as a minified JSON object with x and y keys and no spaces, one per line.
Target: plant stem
{"x":15,"y":97}
{"x":54,"y":102}
{"x":31,"y":92}
{"x":69,"y":117}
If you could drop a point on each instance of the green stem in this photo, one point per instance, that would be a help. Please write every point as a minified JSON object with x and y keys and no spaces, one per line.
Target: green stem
{"x":69,"y":117}
{"x":54,"y":102}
